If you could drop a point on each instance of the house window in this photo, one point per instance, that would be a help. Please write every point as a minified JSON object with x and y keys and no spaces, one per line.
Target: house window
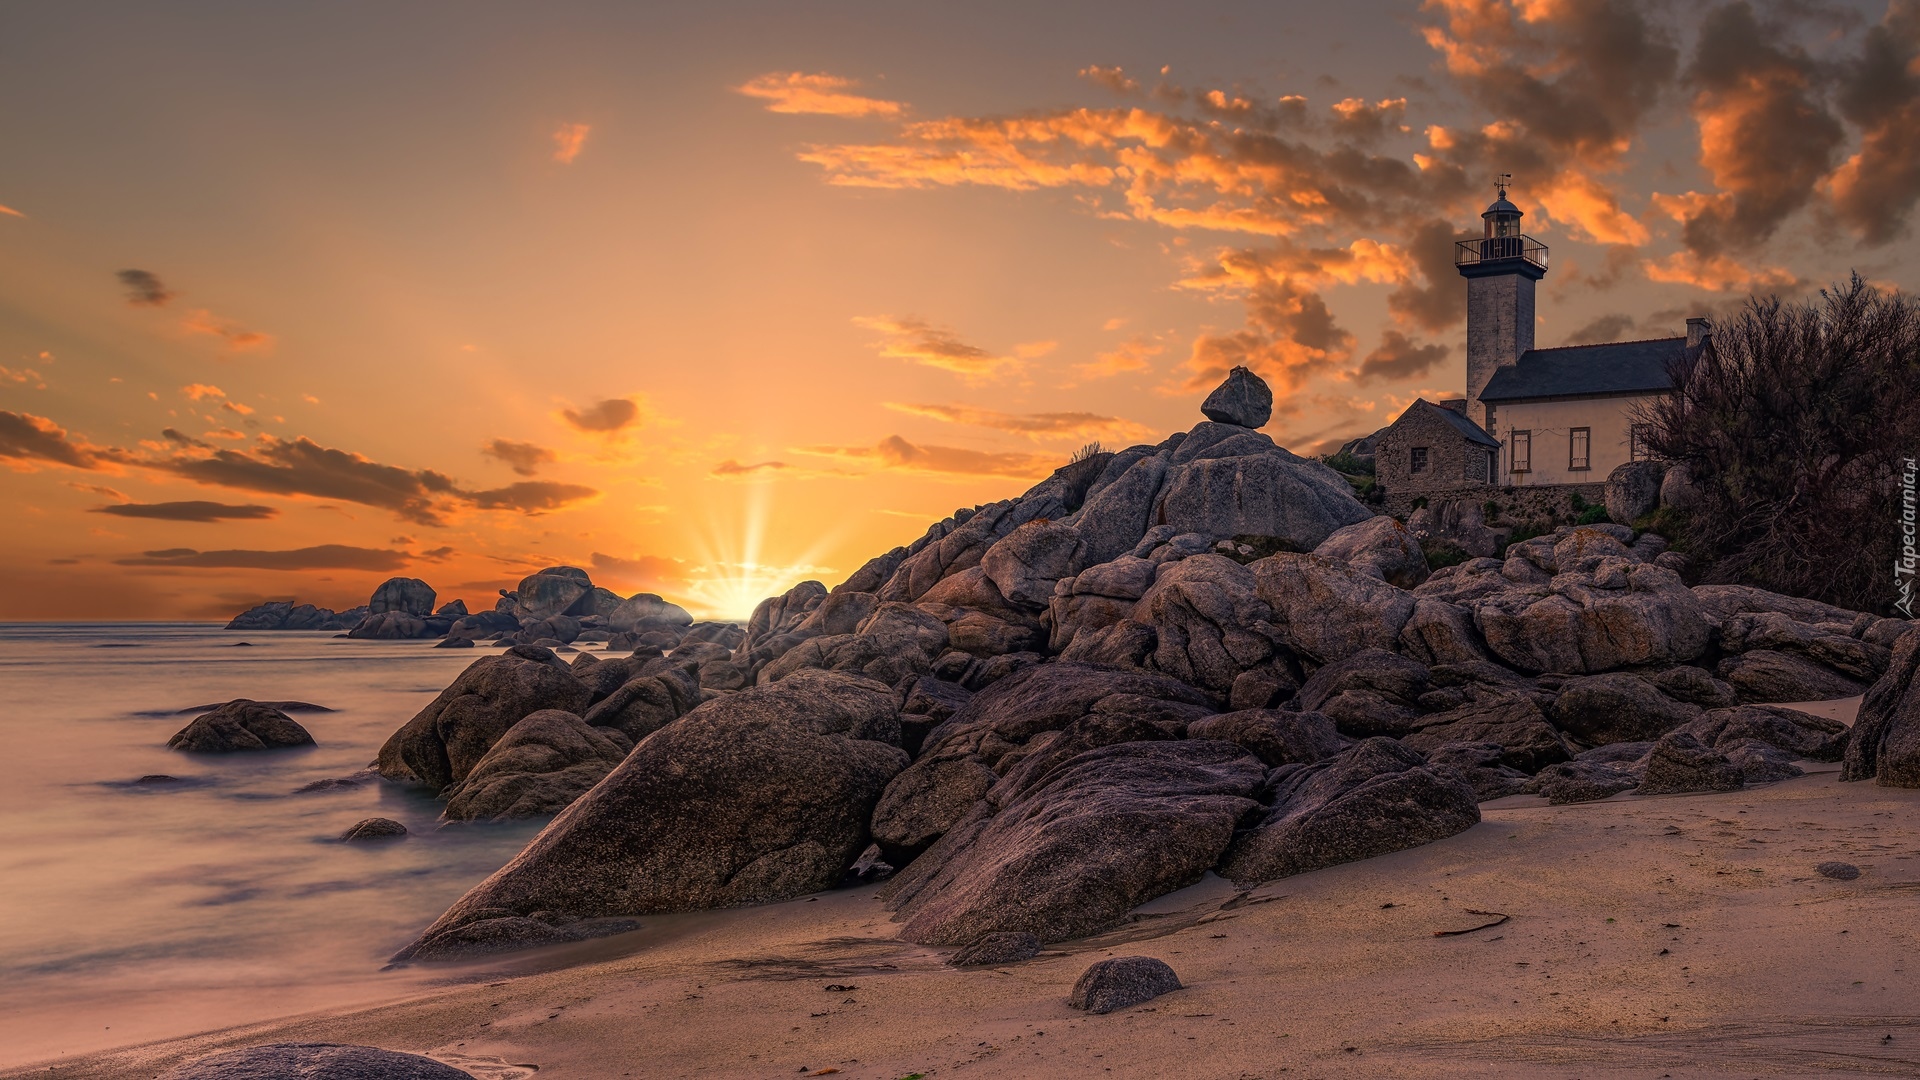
{"x":1523,"y":451}
{"x":1419,"y":459}
{"x":1579,"y":456}
{"x":1637,"y":442}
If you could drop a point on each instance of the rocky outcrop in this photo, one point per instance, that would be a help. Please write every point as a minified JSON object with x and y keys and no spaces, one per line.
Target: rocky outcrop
{"x":994,"y":949}
{"x":445,"y":740}
{"x":1274,"y":495}
{"x":287,"y":615}
{"x":1087,"y":839}
{"x":1681,"y":763}
{"x":753,"y":797}
{"x":1275,"y":736}
{"x":240,"y":724}
{"x":409,"y":596}
{"x":1886,"y":734}
{"x":315,"y":1061}
{"x":1329,"y":611}
{"x":1379,"y":546}
{"x":1377,"y":797}
{"x":556,"y":590}
{"x":540,"y":766}
{"x":1616,"y":614}
{"x":1764,"y":675}
{"x":1512,"y":722}
{"x":1617,"y":707}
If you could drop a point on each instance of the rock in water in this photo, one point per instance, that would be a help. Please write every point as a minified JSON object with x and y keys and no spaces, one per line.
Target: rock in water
{"x":445,"y":740}
{"x":756,"y":796}
{"x":540,"y":766}
{"x":1003,"y":948}
{"x":409,"y":596}
{"x":1378,"y":797}
{"x":315,"y":1061}
{"x":1244,"y":399}
{"x":1122,"y":981}
{"x":240,"y":725}
{"x":374,"y":828}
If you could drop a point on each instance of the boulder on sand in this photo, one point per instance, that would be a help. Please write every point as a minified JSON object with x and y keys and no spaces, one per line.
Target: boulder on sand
{"x":1378,"y":797}
{"x":240,"y":724}
{"x":756,"y":796}
{"x":1886,"y":735}
{"x":315,"y":1061}
{"x":540,"y":766}
{"x":1122,"y":981}
{"x":444,"y":741}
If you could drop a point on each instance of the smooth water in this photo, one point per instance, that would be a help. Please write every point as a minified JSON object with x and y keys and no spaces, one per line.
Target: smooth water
{"x":133,"y":912}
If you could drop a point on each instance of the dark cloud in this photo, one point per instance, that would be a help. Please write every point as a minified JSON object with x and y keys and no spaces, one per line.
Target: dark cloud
{"x":302,"y":467}
{"x":730,"y":467}
{"x":1578,"y":74}
{"x":189,"y":511}
{"x":609,"y":415}
{"x":439,"y":554}
{"x":1436,"y":302}
{"x":531,"y":496}
{"x":1601,"y":330}
{"x":1363,"y":121}
{"x":523,"y":458}
{"x":1874,"y":191}
{"x":894,"y":452}
{"x":144,"y":288}
{"x":1766,"y":135}
{"x":1399,"y":357}
{"x":180,"y":438}
{"x":323,"y":557}
{"x":26,"y":437}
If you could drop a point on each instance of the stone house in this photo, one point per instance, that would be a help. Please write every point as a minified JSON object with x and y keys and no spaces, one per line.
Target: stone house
{"x":1531,"y":417}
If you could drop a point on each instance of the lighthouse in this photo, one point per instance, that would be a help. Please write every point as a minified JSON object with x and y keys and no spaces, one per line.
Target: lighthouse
{"x":1501,"y":268}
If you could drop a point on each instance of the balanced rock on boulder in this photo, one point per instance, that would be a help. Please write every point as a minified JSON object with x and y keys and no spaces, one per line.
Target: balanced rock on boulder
{"x":240,"y":724}
{"x":1244,"y":399}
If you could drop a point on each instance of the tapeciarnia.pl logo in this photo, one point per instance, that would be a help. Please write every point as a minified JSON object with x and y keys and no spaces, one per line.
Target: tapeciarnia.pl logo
{"x":1908,"y":560}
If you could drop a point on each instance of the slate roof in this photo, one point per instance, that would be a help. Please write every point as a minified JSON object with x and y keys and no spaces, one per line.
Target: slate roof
{"x":1624,"y":367}
{"x":1474,"y":432}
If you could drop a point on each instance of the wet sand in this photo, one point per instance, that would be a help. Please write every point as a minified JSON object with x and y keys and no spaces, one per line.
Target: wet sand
{"x":1648,"y":936}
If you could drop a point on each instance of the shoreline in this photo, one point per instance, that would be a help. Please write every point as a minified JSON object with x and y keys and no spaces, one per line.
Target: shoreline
{"x":1769,"y":970}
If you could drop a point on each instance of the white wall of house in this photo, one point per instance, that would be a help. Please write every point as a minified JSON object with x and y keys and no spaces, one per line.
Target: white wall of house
{"x":1551,"y":425}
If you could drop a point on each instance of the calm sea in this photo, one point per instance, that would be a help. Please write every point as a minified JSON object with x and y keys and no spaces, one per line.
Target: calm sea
{"x":131,"y":912}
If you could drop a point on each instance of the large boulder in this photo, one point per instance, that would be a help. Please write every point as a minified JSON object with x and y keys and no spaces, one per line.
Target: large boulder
{"x":1513,"y":722}
{"x":1124,"y":980}
{"x":1328,"y":610}
{"x":1617,"y":707}
{"x":540,"y":766}
{"x":1098,"y":597}
{"x":754,"y":797}
{"x":1025,"y":564}
{"x":409,"y":596}
{"x":1377,"y":797}
{"x":391,"y":626}
{"x":1633,"y":490}
{"x":1372,"y":692}
{"x":1829,"y":644}
{"x":315,"y":1061}
{"x":1119,"y":509}
{"x":644,"y":611}
{"x":1765,"y":675}
{"x":1803,"y":735}
{"x":556,"y":590}
{"x":272,"y":615}
{"x":1089,"y":838}
{"x":1617,"y":614}
{"x":1275,"y":736}
{"x":1886,"y":733}
{"x":1681,"y":763}
{"x":1209,"y":625}
{"x":1276,"y":495}
{"x":445,"y":740}
{"x":240,"y":724}
{"x":1379,"y":546}
{"x":1243,"y":399}
{"x":647,"y":702}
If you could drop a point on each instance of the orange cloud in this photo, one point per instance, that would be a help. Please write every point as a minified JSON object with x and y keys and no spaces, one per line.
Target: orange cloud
{"x":820,"y":94}
{"x":237,"y":338}
{"x":1719,"y":273}
{"x":10,"y":211}
{"x":894,"y":452}
{"x":918,"y":341}
{"x":1591,"y":210}
{"x":1130,"y":355}
{"x":1079,"y":426}
{"x":201,"y":391}
{"x":568,"y":139}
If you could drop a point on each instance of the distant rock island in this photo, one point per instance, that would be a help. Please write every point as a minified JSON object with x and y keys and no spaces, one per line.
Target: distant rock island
{"x":555,"y":606}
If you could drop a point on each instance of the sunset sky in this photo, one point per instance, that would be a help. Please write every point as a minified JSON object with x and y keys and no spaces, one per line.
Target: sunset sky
{"x":708,"y":301}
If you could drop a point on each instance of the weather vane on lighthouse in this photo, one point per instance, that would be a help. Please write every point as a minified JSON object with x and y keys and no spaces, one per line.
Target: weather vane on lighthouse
{"x":1503,"y":181}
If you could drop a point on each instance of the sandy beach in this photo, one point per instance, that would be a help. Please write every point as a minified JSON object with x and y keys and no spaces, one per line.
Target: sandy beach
{"x":1648,"y":936}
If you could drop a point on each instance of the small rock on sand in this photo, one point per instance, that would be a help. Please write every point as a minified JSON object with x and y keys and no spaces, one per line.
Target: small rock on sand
{"x":1122,"y":981}
{"x":316,"y":1061}
{"x":1838,"y":871}
{"x":373,"y":828}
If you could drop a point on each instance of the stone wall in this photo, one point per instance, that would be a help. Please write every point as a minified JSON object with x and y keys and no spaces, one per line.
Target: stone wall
{"x":1453,"y":460}
{"x":1534,"y":502}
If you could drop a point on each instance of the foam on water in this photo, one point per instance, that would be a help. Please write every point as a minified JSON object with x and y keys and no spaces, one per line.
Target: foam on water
{"x":131,"y":911}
